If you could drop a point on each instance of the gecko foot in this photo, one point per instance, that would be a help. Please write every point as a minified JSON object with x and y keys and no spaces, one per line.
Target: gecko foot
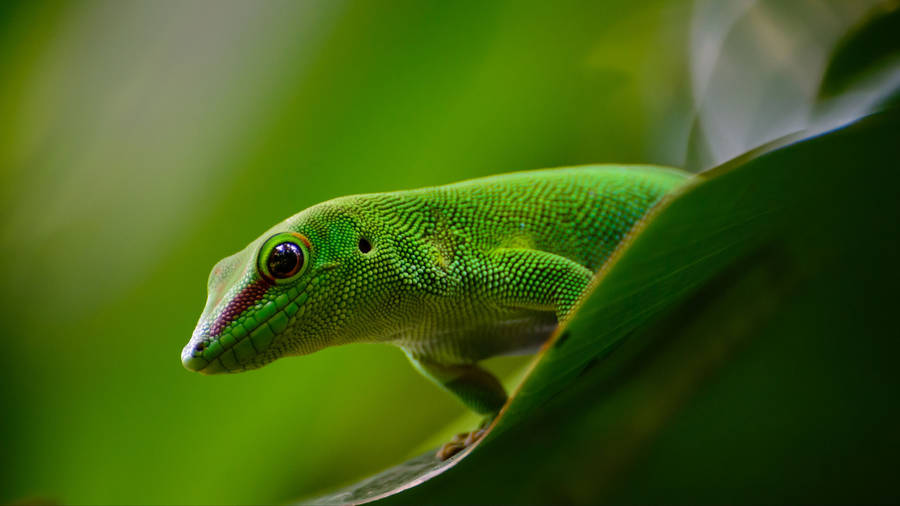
{"x":459,"y":443}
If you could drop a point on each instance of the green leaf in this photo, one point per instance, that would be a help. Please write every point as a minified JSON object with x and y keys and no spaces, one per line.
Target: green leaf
{"x":723,"y":315}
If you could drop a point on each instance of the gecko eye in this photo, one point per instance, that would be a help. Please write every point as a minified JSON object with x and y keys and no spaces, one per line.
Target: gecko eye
{"x":283,"y":257}
{"x":285,"y":260}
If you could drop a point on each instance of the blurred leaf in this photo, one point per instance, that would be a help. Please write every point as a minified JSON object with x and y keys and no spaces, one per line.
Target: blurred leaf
{"x":756,"y":67}
{"x":870,"y":47}
{"x":673,"y":314}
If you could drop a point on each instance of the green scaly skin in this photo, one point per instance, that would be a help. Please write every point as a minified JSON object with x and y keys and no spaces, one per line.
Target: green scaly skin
{"x":451,"y":274}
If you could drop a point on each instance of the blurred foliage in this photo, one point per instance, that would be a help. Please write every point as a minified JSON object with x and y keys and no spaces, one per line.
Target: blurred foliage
{"x":144,"y":141}
{"x":867,"y":50}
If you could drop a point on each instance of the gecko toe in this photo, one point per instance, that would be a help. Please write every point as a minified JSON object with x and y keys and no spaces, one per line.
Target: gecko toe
{"x":459,"y":443}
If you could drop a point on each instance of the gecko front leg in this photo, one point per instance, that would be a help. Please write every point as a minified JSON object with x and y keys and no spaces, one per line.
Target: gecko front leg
{"x":534,"y":279}
{"x":516,"y":278}
{"x":478,"y":389}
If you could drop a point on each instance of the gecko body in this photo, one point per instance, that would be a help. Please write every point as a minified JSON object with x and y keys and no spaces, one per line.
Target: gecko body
{"x":451,"y":274}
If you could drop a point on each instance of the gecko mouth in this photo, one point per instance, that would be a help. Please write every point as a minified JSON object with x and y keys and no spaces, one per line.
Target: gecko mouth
{"x":240,"y":343}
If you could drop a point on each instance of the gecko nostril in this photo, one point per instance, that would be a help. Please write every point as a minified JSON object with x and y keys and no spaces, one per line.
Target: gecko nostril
{"x":199,"y":347}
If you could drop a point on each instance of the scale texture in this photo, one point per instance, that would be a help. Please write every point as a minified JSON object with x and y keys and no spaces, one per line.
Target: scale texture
{"x":452,"y":274}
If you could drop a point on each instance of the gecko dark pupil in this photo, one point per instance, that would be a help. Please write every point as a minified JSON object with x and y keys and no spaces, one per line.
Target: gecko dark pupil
{"x":285,"y":260}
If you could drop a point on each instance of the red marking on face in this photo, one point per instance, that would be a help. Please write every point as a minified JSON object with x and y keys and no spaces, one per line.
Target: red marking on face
{"x":247,"y":297}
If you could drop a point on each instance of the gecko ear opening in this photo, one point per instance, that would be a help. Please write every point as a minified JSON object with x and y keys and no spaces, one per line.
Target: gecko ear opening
{"x":364,"y":245}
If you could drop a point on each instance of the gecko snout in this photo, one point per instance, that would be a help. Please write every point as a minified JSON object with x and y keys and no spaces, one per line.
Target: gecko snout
{"x":193,"y":359}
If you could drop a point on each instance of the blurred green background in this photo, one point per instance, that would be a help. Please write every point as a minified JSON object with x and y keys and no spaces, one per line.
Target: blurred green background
{"x":142,"y":141}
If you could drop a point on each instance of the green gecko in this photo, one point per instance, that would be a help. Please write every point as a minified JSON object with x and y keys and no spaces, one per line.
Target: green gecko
{"x":451,"y":274}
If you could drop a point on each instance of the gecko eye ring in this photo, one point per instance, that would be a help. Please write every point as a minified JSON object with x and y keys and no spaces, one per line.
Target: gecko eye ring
{"x":283,"y":257}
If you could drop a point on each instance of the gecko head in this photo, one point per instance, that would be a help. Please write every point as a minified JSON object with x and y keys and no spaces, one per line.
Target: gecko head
{"x":290,"y":292}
